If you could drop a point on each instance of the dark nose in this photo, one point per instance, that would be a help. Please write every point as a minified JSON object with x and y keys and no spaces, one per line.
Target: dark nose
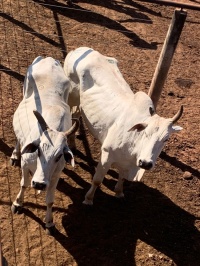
{"x":38,"y":186}
{"x":145,"y":165}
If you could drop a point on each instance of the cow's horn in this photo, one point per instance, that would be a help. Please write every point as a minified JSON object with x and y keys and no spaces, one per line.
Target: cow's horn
{"x":41,"y":120}
{"x":74,"y":127}
{"x":178,"y":115}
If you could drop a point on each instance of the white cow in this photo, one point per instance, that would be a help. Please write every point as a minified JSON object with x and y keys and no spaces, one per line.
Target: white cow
{"x":43,"y":145}
{"x":131,"y":133}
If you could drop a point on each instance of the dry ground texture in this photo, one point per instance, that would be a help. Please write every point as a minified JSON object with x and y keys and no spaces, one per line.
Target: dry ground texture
{"x":158,"y":223}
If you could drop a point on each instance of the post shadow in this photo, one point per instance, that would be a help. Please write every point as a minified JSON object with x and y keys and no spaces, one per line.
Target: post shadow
{"x":12,"y":73}
{"x":29,"y":29}
{"x":119,"y":8}
{"x":82,"y":15}
{"x":175,"y":162}
{"x":107,"y":233}
{"x":4,"y":148}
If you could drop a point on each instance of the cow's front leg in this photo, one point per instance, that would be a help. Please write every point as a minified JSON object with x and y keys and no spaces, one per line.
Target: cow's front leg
{"x":16,"y":155}
{"x":18,"y":203}
{"x":119,"y":186}
{"x":50,"y":226}
{"x":102,"y":168}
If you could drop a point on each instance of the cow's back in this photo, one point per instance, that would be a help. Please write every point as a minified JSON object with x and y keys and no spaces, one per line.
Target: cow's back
{"x":46,"y":75}
{"x":83,"y":56}
{"x":70,"y":64}
{"x":46,"y":89}
{"x":102,"y":88}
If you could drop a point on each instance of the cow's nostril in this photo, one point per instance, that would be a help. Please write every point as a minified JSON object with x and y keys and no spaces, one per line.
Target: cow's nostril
{"x":38,"y":186}
{"x":140,"y":163}
{"x":145,"y":165}
{"x":149,"y":165}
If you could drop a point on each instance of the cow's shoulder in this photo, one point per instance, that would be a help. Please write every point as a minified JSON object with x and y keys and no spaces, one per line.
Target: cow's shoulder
{"x":43,"y":76}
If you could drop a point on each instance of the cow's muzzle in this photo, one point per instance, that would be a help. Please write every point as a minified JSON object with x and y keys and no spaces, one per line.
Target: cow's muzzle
{"x":39,"y":185}
{"x":145,"y":165}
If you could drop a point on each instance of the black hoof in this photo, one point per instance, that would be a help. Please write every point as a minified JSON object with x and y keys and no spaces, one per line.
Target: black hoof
{"x":16,"y":209}
{"x":50,"y":231}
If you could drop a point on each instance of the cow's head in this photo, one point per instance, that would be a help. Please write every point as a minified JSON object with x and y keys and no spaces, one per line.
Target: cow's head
{"x":48,"y":152}
{"x":152,"y":136}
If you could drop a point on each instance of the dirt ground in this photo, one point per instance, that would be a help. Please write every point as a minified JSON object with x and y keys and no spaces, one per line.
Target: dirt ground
{"x":158,"y":222}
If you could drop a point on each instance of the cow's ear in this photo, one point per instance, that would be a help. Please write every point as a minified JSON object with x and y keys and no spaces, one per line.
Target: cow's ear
{"x":68,"y":155}
{"x":176,"y":128}
{"x":30,"y":148}
{"x":139,"y":127}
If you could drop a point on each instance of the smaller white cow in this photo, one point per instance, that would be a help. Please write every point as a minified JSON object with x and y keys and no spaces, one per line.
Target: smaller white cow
{"x":42,"y":123}
{"x":131,"y":133}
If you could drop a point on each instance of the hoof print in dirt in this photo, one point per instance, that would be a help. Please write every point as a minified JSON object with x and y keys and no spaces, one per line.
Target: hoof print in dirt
{"x":16,"y":209}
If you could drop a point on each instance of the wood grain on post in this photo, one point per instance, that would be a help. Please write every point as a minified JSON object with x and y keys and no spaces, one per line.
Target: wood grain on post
{"x":166,"y":55}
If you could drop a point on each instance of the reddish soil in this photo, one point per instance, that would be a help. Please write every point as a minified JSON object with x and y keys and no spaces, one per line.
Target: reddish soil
{"x":158,"y":222}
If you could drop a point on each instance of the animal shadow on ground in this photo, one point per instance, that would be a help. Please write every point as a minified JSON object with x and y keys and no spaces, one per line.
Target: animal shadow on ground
{"x":106,"y":234}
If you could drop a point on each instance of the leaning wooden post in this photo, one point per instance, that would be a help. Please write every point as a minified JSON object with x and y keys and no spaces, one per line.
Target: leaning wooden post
{"x":166,"y":55}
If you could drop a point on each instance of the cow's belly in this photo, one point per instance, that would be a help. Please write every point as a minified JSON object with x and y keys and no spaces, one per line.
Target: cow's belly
{"x":96,"y":127}
{"x":100,"y":112}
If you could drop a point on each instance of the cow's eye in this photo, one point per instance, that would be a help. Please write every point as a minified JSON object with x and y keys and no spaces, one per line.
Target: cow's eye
{"x":151,"y":111}
{"x":165,"y":140}
{"x":58,"y":158}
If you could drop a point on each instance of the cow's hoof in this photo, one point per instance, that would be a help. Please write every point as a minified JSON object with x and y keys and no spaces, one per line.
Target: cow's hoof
{"x":16,"y":209}
{"x":119,"y":195}
{"x":88,"y":202}
{"x":14,"y":162}
{"x":50,"y":231}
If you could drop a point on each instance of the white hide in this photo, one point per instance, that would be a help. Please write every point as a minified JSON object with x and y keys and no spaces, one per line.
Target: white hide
{"x":110,"y":110}
{"x":46,"y":89}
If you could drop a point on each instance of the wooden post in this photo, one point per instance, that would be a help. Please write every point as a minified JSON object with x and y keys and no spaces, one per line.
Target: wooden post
{"x":166,"y":55}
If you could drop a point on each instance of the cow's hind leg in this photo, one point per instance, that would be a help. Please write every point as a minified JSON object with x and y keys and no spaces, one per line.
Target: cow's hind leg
{"x":75,"y":112}
{"x":102,"y":168}
{"x":18,"y":203}
{"x":16,"y":155}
